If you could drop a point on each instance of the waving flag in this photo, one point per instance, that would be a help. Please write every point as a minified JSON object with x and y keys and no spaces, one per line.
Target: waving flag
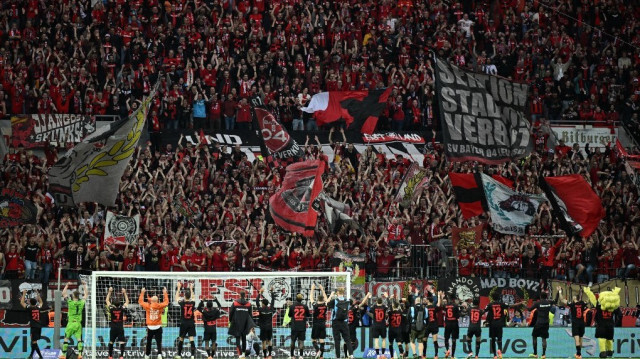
{"x":412,"y":184}
{"x":91,"y":170}
{"x":576,"y":205}
{"x":291,"y":207}
{"x":337,"y":214}
{"x":15,"y":209}
{"x":275,"y":136}
{"x":510,"y":211}
{"x":359,"y":109}
{"x":469,"y":194}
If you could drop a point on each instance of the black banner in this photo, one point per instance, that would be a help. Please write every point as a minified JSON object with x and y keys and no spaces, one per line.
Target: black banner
{"x":509,"y":290}
{"x":483,"y":117}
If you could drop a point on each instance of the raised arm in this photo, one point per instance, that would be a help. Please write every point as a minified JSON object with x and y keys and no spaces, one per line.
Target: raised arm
{"x":126,"y":297}
{"x":312,"y":293}
{"x":141,"y":298}
{"x":324,"y":294}
{"x":23,"y":303}
{"x":165,"y":302}
{"x":177,"y":296}
{"x":108,"y":299}
{"x":65,"y":291}
{"x":86,"y":290}
{"x":191,"y":290}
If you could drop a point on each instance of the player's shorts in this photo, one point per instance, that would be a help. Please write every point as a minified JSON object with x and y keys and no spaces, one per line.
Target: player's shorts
{"x":210,"y":334}
{"x":405,"y":336}
{"x":577,"y":330}
{"x":319,"y":331}
{"x":432,"y":330}
{"x":452,"y":331}
{"x":266,"y":334}
{"x":541,"y":331}
{"x":474,"y":331}
{"x":378,"y":332}
{"x":298,"y":335}
{"x":73,"y":329}
{"x":420,"y":335}
{"x":116,"y":334}
{"x":352,"y":331}
{"x":36,"y":333}
{"x":187,"y":330}
{"x":395,"y":335}
{"x":495,"y":331}
{"x":604,"y":332}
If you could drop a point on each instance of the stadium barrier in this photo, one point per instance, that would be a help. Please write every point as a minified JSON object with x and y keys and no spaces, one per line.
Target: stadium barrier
{"x":14,"y":343}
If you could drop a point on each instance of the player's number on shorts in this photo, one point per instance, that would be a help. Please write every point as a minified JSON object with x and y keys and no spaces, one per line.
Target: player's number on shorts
{"x":379,"y":315}
{"x":117,"y":315}
{"x":350,"y":317}
{"x":298,"y":314}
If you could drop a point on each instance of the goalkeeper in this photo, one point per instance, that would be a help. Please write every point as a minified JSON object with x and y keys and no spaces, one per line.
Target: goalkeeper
{"x":75,"y":307}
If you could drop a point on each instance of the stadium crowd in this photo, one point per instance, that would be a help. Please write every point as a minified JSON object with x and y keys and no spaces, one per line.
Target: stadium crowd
{"x":99,"y":58}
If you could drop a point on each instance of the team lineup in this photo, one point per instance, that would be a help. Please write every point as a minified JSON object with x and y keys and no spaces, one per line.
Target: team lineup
{"x":399,"y":327}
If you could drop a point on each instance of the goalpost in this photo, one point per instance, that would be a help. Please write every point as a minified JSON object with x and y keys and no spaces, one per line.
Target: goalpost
{"x":225,"y":286}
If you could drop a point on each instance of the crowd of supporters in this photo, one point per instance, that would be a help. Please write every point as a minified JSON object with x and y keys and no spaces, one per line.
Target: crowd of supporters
{"x":581,"y":59}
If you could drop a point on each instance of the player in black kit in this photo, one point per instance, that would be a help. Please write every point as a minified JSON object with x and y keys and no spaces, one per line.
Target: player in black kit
{"x":187,"y":319}
{"x":433,"y":306}
{"x":319,"y":322}
{"x":266,"y":311}
{"x":451,"y":326}
{"x":209,"y":317}
{"x":117,"y":311}
{"x":475,"y":327}
{"x":378,"y":314}
{"x":298,"y":313}
{"x":577,"y":308}
{"x":541,"y":325}
{"x":34,"y":310}
{"x":395,"y":327}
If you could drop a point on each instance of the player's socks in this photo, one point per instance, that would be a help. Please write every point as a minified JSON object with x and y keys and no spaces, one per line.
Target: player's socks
{"x":391,"y":350}
{"x":110,"y":346}
{"x":544,"y":349}
{"x":193,"y":348}
{"x":346,"y":352}
{"x":384,"y":350}
{"x":293,"y":350}
{"x":316,"y":347}
{"x":269,"y":350}
{"x":322,"y":350}
{"x":121,"y":349}
{"x":377,"y":352}
{"x":535,"y":347}
{"x":435,"y":348}
{"x":453,"y":348}
{"x":477,"y":348}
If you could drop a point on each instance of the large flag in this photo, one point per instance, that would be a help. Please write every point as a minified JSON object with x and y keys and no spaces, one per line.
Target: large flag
{"x":120,"y":230}
{"x":337,"y":213}
{"x":511,"y":212}
{"x":15,"y":209}
{"x":292,"y":206}
{"x":91,"y":170}
{"x":412,"y":184}
{"x":469,"y":195}
{"x":275,"y":136}
{"x":576,"y":205}
{"x":359,"y":109}
{"x":483,"y":116}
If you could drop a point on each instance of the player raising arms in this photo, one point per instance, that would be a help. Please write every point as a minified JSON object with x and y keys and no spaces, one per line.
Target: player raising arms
{"x":433,"y":306}
{"x":496,"y":317}
{"x":475,"y":327}
{"x":75,"y":307}
{"x":319,"y":321}
{"x":577,"y":309}
{"x":117,"y":311}
{"x":299,"y":313}
{"x":34,"y":310}
{"x":395,"y":326}
{"x":266,"y":311}
{"x":378,"y":313}
{"x":451,"y":326}
{"x":209,"y":317}
{"x":187,"y":319}
{"x":153,"y":311}
{"x":541,"y":325}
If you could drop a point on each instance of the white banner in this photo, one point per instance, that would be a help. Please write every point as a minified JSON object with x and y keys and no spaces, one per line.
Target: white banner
{"x":122,"y":226}
{"x":510,"y":211}
{"x":594,"y":136}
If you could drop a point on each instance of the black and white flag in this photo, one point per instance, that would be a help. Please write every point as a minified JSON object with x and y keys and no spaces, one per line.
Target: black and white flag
{"x":120,"y":230}
{"x":483,"y":116}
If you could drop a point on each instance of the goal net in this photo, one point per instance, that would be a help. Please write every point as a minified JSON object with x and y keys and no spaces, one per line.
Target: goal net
{"x":225,"y":286}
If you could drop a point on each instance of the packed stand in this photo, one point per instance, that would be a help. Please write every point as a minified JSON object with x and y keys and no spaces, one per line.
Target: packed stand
{"x":210,"y":57}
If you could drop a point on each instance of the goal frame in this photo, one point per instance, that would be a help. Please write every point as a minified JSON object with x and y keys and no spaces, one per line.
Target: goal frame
{"x":194,"y":275}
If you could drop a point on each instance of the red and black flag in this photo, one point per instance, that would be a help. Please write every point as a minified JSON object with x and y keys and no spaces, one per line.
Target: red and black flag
{"x":469,"y":193}
{"x":576,"y":205}
{"x":359,"y":109}
{"x":15,"y":209}
{"x":275,"y":137}
{"x":292,"y":206}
